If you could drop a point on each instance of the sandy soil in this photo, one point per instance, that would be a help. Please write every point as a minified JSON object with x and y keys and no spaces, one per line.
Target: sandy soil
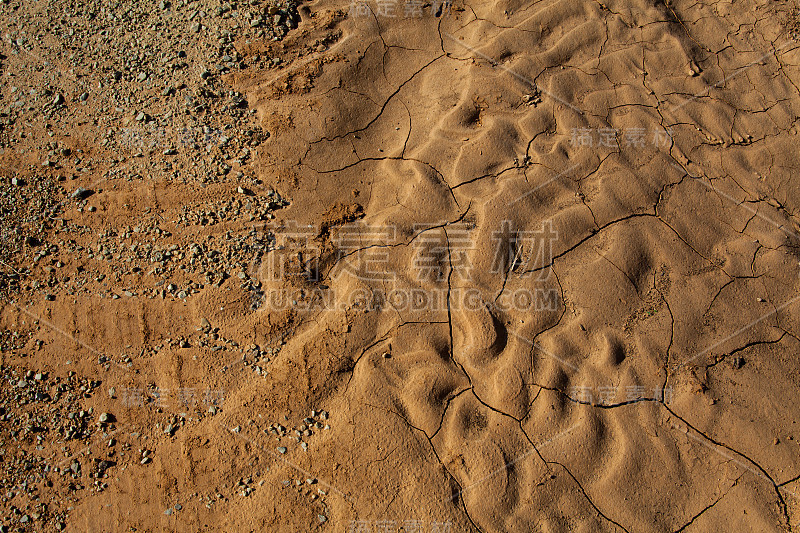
{"x":386,"y":266}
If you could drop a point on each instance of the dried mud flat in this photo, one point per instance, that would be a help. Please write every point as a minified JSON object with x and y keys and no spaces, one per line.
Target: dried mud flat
{"x":400,"y":266}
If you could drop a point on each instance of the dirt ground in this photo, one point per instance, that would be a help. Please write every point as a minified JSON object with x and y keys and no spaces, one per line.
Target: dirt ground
{"x":400,"y":266}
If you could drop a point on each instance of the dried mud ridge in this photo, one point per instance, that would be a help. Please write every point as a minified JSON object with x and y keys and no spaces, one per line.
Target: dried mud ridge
{"x":628,"y":166}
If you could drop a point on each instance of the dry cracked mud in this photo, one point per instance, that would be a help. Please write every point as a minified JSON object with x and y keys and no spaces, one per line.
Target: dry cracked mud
{"x":401,"y":266}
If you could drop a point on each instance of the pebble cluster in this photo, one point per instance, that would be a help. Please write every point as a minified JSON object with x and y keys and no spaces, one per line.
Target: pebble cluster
{"x":145,"y":111}
{"x":37,"y":409}
{"x":98,"y":104}
{"x":299,"y":435}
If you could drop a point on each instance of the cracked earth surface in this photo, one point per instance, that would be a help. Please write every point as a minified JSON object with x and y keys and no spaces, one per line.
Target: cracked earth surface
{"x":671,"y":260}
{"x":652,"y":386}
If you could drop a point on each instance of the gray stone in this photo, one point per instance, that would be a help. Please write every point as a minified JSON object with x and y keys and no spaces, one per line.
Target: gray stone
{"x":81,"y":194}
